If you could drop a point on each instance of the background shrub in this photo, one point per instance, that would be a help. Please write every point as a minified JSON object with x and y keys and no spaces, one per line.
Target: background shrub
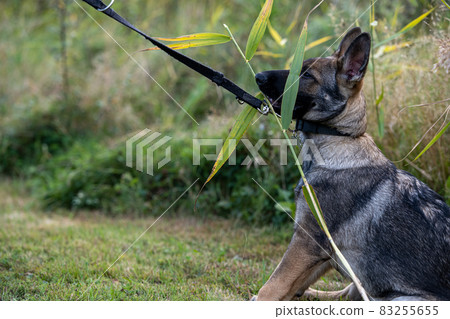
{"x":67,"y":138}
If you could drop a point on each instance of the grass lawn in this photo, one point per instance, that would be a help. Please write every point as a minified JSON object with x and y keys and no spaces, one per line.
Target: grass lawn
{"x":60,"y":255}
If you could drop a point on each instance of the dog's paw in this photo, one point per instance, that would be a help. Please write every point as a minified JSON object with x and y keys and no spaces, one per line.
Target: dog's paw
{"x":254,"y":298}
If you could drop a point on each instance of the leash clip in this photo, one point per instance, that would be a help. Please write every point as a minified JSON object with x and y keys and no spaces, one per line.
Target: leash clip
{"x":107,"y":7}
{"x":264,"y":109}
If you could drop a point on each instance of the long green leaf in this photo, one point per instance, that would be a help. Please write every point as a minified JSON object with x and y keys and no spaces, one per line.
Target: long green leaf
{"x":395,"y":17}
{"x":242,"y":122}
{"x":317,"y":42}
{"x":313,"y":203}
{"x":258,"y":30}
{"x":381,"y":112}
{"x":270,"y":54}
{"x":194,"y":40}
{"x":291,"y":88}
{"x":196,"y":36}
{"x":312,"y":198}
{"x":406,"y":28}
{"x":446,"y":4}
{"x":276,"y":36}
{"x":308,"y":47}
{"x":415,"y":22}
{"x":438,"y":135}
{"x":372,"y":68}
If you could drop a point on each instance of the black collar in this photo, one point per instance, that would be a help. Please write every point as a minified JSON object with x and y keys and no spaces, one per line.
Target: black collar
{"x":311,"y":127}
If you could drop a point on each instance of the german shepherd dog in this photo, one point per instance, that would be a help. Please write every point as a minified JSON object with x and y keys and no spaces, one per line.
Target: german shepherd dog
{"x":393,"y":229}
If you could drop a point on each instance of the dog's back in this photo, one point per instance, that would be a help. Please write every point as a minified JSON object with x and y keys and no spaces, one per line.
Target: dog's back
{"x":408,"y":247}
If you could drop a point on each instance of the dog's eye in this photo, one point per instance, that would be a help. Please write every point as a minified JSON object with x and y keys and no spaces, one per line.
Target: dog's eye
{"x":307,"y":75}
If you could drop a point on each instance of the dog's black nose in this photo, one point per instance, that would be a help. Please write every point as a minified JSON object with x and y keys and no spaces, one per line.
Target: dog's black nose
{"x":261,"y":78}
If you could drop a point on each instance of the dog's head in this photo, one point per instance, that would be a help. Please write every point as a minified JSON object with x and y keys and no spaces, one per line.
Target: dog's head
{"x":329,"y":88}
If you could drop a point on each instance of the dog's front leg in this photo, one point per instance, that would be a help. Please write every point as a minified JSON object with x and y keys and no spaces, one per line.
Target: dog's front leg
{"x":299,"y":268}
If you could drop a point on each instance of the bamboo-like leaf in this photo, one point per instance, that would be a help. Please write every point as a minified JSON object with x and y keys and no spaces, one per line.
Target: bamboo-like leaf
{"x":196,"y":36}
{"x":391,"y":48}
{"x":194,"y":40}
{"x":269,"y":54}
{"x":218,"y":12}
{"x":394,"y":75}
{"x":372,"y":14}
{"x":291,"y":88}
{"x":447,"y":187}
{"x":381,"y":112}
{"x":394,"y":18}
{"x":295,"y":20}
{"x":438,"y":135}
{"x":406,"y":28}
{"x":308,"y":47}
{"x":446,"y":4}
{"x":317,"y":42}
{"x":313,"y":204}
{"x":287,"y":207}
{"x":242,"y":122}
{"x":415,"y":22}
{"x":311,"y":197}
{"x":258,"y":30}
{"x":276,"y":36}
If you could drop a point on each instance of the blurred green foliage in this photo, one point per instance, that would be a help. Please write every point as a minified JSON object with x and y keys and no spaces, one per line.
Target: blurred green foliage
{"x":68,"y":141}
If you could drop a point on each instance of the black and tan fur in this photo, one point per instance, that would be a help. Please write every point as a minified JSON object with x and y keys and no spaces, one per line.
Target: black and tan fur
{"x":392,"y":228}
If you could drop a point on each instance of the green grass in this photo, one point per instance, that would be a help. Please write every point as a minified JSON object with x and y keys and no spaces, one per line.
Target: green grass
{"x":60,"y":256}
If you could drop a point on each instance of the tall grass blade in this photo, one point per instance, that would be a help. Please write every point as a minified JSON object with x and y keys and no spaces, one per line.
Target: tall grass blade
{"x":193,"y":40}
{"x":242,"y":122}
{"x":446,"y":4}
{"x":406,"y":28}
{"x":197,"y":36}
{"x":416,"y":21}
{"x":308,"y":47}
{"x":317,"y":42}
{"x":380,"y":108}
{"x":438,"y":135}
{"x":391,"y":48}
{"x":372,"y":61}
{"x":258,"y":30}
{"x":310,"y":195}
{"x":269,"y":54}
{"x":291,"y":88}
{"x":313,"y":204}
{"x":216,"y":15}
{"x":395,"y":17}
{"x":294,"y":22}
{"x":276,"y":36}
{"x":443,"y":115}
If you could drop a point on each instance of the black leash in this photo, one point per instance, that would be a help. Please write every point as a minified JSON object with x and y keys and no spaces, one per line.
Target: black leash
{"x":215,"y":76}
{"x":206,"y":71}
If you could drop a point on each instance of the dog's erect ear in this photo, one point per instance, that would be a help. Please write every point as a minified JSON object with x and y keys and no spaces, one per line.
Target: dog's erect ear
{"x":353,"y":64}
{"x":347,"y":40}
